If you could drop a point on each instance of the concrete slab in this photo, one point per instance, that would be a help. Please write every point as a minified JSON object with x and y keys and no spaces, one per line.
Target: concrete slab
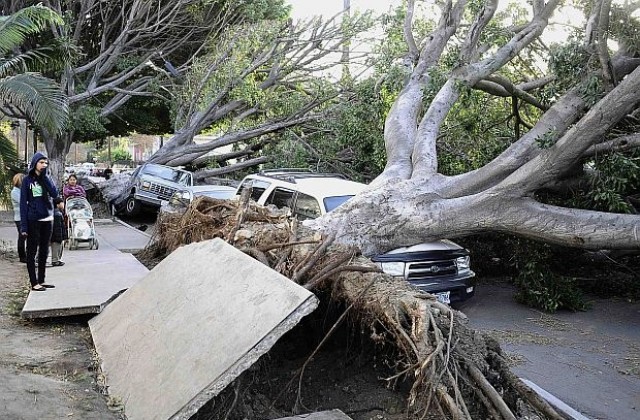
{"x":113,"y":232}
{"x":201,"y":317}
{"x":88,"y":281}
{"x":121,"y":235}
{"x":322,"y":415}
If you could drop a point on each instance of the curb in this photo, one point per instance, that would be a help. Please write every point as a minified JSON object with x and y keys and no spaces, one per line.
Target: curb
{"x":555,"y":401}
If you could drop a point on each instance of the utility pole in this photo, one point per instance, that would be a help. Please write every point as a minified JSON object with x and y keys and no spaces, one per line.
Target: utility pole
{"x":26,"y":144}
{"x":109,"y":150}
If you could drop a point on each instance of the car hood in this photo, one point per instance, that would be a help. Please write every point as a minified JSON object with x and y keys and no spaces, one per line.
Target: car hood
{"x":442,"y":249}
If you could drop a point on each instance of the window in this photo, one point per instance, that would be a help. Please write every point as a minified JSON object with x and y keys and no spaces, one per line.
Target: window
{"x":281,"y":198}
{"x":169,"y":174}
{"x":331,"y":203}
{"x":257,"y":188}
{"x":307,"y":207}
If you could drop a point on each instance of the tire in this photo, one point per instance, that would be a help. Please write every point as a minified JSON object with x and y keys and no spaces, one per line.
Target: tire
{"x":132,"y":206}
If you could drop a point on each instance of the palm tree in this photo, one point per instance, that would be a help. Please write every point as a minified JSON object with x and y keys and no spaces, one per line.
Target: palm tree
{"x":24,"y":93}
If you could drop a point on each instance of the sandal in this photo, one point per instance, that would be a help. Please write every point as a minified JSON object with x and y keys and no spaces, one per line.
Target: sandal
{"x":38,"y":288}
{"x":57,"y":263}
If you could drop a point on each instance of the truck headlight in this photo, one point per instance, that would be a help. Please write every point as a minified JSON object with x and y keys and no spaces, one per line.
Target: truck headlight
{"x":146,"y":185}
{"x":463,"y":263}
{"x":393,"y":268}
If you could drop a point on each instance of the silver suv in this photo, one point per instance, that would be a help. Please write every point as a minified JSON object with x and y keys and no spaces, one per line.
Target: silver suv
{"x":149,"y":185}
{"x":441,"y":267}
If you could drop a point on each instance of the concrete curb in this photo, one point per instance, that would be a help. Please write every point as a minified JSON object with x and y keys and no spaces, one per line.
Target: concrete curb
{"x":555,"y":401}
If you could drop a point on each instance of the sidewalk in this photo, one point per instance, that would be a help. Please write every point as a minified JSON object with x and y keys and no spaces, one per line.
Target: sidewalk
{"x":90,"y":279}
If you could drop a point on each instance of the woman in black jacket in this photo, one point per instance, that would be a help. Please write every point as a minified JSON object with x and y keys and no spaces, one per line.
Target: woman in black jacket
{"x":38,"y":195}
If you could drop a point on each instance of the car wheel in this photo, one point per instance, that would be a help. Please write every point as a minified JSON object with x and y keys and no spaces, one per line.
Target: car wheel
{"x":132,"y":206}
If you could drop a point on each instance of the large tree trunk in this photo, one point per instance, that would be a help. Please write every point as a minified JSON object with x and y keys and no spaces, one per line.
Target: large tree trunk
{"x":452,"y":369}
{"x":57,"y":149}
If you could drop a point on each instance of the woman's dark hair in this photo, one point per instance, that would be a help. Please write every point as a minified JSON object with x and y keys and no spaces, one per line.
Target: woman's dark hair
{"x":72,"y":176}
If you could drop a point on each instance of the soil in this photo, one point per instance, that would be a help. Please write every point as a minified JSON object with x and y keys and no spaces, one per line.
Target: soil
{"x":46,"y":367}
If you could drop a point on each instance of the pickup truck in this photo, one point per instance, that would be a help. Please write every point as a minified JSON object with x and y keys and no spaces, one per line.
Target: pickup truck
{"x":149,"y":186}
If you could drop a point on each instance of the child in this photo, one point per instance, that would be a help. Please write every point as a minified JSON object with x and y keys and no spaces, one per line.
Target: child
{"x":58,"y":236}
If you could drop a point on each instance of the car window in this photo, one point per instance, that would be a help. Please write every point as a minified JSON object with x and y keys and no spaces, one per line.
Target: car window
{"x":257,"y":188}
{"x":306,"y":207}
{"x":281,"y":197}
{"x":330,"y":203}
{"x":169,"y":174}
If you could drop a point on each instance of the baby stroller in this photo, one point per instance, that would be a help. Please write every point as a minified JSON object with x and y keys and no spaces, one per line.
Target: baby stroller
{"x":80,"y":223}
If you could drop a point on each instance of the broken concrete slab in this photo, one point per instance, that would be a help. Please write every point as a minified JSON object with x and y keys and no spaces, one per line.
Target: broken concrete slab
{"x":322,"y":415}
{"x":88,"y":281}
{"x":201,"y":317}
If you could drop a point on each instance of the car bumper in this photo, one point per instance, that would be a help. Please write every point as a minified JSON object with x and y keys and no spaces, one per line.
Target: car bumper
{"x":148,"y":199}
{"x":460,"y":288}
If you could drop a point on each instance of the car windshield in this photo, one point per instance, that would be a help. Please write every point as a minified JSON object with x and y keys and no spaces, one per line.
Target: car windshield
{"x":331,"y":203}
{"x":169,"y":174}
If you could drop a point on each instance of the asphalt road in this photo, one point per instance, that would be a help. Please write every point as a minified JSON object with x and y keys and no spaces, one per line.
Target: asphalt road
{"x":590,"y":360}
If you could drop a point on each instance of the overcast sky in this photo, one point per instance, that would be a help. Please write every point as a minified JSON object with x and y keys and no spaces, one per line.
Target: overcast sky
{"x":308,"y":8}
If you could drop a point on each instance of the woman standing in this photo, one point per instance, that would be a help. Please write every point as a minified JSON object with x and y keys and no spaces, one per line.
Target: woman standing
{"x":15,"y":200}
{"x":36,"y":217}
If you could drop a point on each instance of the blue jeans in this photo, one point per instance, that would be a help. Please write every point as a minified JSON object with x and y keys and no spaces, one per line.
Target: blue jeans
{"x":39,"y":236}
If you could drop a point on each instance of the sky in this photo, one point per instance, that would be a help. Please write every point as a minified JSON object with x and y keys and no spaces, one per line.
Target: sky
{"x":302,"y":9}
{"x":307,"y":8}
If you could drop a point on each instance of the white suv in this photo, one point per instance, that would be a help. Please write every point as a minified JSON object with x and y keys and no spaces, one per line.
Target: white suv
{"x":440,"y":267}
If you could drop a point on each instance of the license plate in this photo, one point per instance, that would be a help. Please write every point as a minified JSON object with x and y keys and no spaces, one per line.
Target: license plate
{"x":444,"y":297}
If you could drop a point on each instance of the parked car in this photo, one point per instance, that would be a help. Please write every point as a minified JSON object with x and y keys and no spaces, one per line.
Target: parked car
{"x":441,"y":267}
{"x":149,"y":185}
{"x":182,"y":198}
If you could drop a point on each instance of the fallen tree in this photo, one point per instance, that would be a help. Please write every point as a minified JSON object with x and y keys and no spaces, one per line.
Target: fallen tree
{"x":412,"y":202}
{"x":455,"y":372}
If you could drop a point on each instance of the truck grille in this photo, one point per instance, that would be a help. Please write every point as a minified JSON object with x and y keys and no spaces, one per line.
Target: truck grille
{"x":427,"y":269}
{"x":162,"y":191}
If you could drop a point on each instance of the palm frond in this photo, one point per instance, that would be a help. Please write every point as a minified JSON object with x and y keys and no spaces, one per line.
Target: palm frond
{"x":16,"y":27}
{"x":33,"y":60}
{"x":39,"y":97}
{"x":8,"y":160}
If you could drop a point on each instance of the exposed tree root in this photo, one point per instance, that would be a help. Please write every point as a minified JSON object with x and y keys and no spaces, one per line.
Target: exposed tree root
{"x":456,"y":372}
